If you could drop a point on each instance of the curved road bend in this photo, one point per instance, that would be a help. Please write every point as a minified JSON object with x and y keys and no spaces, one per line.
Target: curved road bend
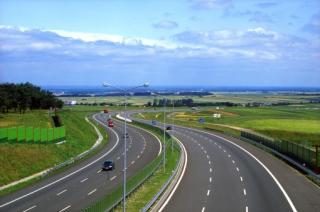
{"x":84,"y":183}
{"x":221,"y":176}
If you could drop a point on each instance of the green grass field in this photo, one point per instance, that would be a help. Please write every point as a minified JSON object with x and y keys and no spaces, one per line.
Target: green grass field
{"x":241,"y":98}
{"x":21,"y":160}
{"x":294,"y":123}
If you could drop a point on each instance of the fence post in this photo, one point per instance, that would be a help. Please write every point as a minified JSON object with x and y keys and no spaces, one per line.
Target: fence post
{"x":317,"y":167}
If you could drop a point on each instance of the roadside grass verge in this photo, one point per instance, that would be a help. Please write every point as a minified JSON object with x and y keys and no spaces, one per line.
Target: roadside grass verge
{"x":22,"y":160}
{"x":33,"y":118}
{"x":293,"y":123}
{"x":149,"y":184}
{"x":145,"y":193}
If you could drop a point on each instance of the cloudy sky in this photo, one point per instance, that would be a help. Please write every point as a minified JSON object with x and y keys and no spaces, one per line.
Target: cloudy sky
{"x":181,"y":42}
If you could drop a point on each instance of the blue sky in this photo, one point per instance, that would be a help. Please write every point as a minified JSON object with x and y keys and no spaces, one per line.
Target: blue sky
{"x":182,"y":42}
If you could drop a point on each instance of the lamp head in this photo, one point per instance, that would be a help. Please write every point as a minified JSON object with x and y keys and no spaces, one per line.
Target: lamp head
{"x":105,"y":84}
{"x":146,"y":84}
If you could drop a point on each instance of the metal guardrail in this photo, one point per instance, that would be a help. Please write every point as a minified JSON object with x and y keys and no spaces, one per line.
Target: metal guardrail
{"x":98,"y":207}
{"x":163,"y":188}
{"x":117,"y":203}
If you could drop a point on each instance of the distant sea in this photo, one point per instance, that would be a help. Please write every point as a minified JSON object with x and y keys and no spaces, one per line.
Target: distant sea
{"x":99,"y":90}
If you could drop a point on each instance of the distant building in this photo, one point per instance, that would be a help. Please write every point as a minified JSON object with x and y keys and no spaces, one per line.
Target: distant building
{"x":217,"y":115}
{"x":72,"y":102}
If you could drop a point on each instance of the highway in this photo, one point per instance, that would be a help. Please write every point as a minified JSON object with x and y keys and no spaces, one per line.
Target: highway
{"x":227,"y":174}
{"x":84,"y":183}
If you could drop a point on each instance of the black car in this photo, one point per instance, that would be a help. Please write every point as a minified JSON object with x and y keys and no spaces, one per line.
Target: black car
{"x":126,"y":135}
{"x":108,"y":165}
{"x":168,"y":128}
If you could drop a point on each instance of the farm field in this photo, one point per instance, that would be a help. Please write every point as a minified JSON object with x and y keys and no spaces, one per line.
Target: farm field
{"x":21,"y":160}
{"x":240,"y":98}
{"x":298,"y":123}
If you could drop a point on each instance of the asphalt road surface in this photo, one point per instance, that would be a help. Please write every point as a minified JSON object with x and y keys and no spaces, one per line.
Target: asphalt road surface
{"x":82,"y":184}
{"x":227,"y":174}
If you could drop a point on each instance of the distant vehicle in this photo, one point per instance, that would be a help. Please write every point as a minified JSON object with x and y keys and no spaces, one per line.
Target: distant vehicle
{"x":168,"y":128}
{"x":126,"y":135}
{"x":105,"y":111}
{"x":108,"y":165}
{"x":110,"y":123}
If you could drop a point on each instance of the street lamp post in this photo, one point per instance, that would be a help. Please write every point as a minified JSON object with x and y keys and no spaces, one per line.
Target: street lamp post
{"x":164,"y":130}
{"x":172,"y":124}
{"x":125,"y":91}
{"x":164,"y":135}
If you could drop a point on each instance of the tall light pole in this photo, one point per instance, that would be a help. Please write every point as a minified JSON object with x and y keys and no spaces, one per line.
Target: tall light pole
{"x":125,"y":91}
{"x":172,"y":124}
{"x":164,"y":130}
{"x":164,"y":135}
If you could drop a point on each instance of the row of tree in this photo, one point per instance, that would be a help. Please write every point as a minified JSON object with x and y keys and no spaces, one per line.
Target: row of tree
{"x":23,"y":96}
{"x":186,"y":102}
{"x":169,"y":102}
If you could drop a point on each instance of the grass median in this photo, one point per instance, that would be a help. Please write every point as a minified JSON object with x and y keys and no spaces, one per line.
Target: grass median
{"x":146,"y":183}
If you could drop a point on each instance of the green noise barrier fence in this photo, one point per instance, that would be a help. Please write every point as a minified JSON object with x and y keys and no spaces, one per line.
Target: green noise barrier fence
{"x":24,"y":134}
{"x":302,"y":154}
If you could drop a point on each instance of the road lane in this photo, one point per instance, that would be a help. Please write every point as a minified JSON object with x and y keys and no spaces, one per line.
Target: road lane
{"x":83,"y":187}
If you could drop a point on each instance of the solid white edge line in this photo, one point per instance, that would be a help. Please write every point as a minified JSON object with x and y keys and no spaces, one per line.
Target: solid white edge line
{"x":160,"y":149}
{"x":268,"y":171}
{"x":181,"y":176}
{"x":66,"y":208}
{"x":72,"y":173}
{"x":32,"y":207}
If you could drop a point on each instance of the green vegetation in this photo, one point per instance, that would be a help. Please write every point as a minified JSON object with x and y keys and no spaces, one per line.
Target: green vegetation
{"x":216,"y":97}
{"x":140,"y":197}
{"x":146,"y":192}
{"x":21,"y":160}
{"x":294,"y":122}
{"x":26,"y":96}
{"x":36,"y":118}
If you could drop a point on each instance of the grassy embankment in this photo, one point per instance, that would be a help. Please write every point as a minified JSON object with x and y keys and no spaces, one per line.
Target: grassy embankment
{"x":21,"y":160}
{"x":298,"y":123}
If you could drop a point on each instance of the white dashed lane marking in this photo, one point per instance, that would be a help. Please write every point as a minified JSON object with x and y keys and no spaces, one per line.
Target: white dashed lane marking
{"x":241,"y":179}
{"x":66,"y":208}
{"x":210,"y":179}
{"x":203,"y":209}
{"x":61,"y":192}
{"x":91,"y":192}
{"x":32,"y":207}
{"x":208,"y":192}
{"x":83,"y":180}
{"x":112,"y":178}
{"x":244,"y":191}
